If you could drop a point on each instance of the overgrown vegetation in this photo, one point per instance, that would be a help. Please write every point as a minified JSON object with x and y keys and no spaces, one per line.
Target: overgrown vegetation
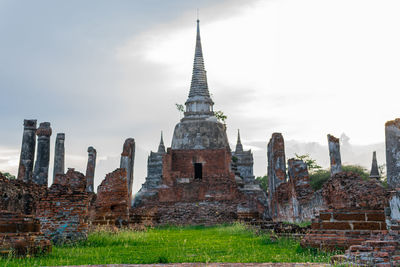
{"x":301,"y":224}
{"x":312,"y":165}
{"x":263,"y":180}
{"x":228,"y":243}
{"x":220,"y":116}
{"x":8,"y":175}
{"x":318,"y":178}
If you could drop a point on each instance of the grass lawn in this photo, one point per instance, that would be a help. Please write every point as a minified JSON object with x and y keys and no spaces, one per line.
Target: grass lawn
{"x":227,"y":243}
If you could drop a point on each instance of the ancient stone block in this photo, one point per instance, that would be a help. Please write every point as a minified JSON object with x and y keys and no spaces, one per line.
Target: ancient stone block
{"x":392,"y":134}
{"x":41,"y":171}
{"x":127,"y":162}
{"x":91,"y":166}
{"x":27,"y":156}
{"x":59,"y":155}
{"x":334,"y":154}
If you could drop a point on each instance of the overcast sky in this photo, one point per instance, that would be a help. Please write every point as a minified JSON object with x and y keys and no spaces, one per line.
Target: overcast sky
{"x":103,"y":71}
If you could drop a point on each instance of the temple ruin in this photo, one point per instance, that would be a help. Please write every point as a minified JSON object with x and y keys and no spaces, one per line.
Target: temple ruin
{"x":199,"y":180}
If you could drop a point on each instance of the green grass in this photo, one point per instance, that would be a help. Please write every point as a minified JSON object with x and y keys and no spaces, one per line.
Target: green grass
{"x":227,"y":243}
{"x":301,"y":224}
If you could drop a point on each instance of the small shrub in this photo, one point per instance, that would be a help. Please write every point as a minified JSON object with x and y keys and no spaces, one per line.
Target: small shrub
{"x":356,"y":169}
{"x":318,"y":178}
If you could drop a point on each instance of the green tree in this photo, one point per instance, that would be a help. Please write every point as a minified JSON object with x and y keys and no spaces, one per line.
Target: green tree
{"x":220,"y":116}
{"x":382,"y":172}
{"x":8,"y":175}
{"x":180,"y":107}
{"x":263,"y":180}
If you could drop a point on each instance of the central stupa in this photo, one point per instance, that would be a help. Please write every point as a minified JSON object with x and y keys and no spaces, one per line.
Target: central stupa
{"x":199,"y":128}
{"x":198,"y":180}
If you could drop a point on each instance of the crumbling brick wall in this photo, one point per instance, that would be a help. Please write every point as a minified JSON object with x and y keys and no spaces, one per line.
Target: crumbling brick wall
{"x":20,"y":235}
{"x":20,"y":196}
{"x":63,"y":210}
{"x":355,"y":212}
{"x":295,"y":200}
{"x":112,"y":202}
{"x":383,"y":248}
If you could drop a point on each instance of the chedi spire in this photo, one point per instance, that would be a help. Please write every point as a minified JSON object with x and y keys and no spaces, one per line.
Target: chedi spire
{"x":161,"y":147}
{"x":374,"y":168}
{"x":199,"y":103}
{"x":239,"y":146}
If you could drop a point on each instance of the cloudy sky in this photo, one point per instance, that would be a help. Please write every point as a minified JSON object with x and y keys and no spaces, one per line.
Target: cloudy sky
{"x":102,"y":71}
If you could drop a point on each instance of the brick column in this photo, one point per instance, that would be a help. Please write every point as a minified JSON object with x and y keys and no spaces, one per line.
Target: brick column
{"x":276,"y":166}
{"x":59,"y":155}
{"x":91,"y":166}
{"x":334,"y":154}
{"x":27,"y":156}
{"x":41,"y":171}
{"x":127,"y":162}
{"x":392,"y":134}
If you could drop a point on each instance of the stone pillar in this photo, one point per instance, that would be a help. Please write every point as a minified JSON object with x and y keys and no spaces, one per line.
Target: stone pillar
{"x":297,"y":170}
{"x":276,"y":166}
{"x":334,"y":154}
{"x":127,"y":162}
{"x":374,"y":168}
{"x":27,"y":156}
{"x":392,"y":133}
{"x":41,"y":171}
{"x":302,"y":191}
{"x":59,"y":155}
{"x":91,"y":166}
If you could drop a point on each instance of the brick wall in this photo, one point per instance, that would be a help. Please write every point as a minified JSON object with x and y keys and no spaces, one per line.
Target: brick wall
{"x":63,"y":210}
{"x":355,"y":212}
{"x":20,"y":235}
{"x":20,"y":196}
{"x":112,"y":201}
{"x":339,"y":229}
